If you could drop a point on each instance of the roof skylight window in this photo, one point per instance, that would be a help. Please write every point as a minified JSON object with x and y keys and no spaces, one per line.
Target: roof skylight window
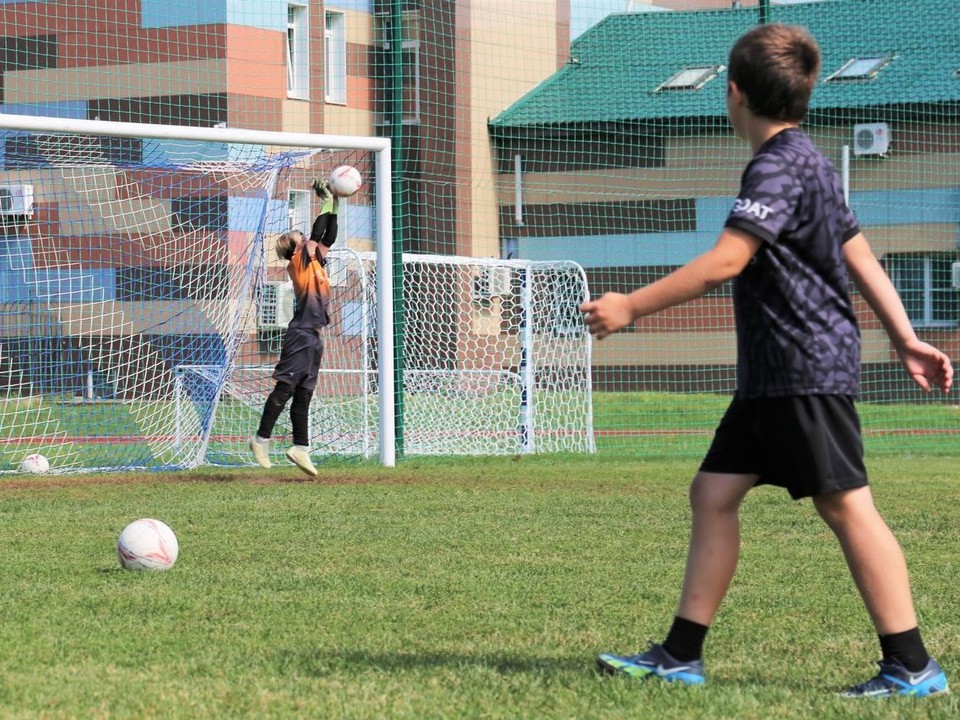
{"x":691,"y":78}
{"x":860,"y":68}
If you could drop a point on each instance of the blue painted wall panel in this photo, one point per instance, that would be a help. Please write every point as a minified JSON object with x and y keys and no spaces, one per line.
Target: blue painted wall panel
{"x":16,"y":253}
{"x":712,"y":212}
{"x":72,"y":285}
{"x":176,"y":13}
{"x":355,"y":221}
{"x":619,"y":250}
{"x":266,"y":14}
{"x":358,"y":5}
{"x":873,"y":209}
{"x":906,"y":207}
{"x":72,"y":109}
{"x":277,"y":220}
{"x":160,"y":153}
{"x":95,"y":285}
{"x":12,"y":287}
{"x":246,"y":213}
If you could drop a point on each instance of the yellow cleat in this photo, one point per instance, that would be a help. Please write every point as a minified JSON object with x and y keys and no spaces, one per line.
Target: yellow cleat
{"x":300,"y":456}
{"x":259,"y":448}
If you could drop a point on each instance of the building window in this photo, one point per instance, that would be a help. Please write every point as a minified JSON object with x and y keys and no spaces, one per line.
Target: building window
{"x":924,"y":284}
{"x":335,"y":57}
{"x":860,"y":68}
{"x":692,"y":78}
{"x":298,"y":52}
{"x":411,"y":83}
{"x":298,"y":211}
{"x":409,"y":66}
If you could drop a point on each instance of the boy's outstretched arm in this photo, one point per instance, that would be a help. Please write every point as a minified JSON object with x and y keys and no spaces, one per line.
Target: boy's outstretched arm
{"x":925,"y":364}
{"x":723,"y":261}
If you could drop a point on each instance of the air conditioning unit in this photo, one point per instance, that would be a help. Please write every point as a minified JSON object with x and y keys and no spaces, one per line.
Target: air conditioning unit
{"x":277,"y":301}
{"x":955,"y":275}
{"x":16,"y":200}
{"x":871,"y":139}
{"x":490,"y":282}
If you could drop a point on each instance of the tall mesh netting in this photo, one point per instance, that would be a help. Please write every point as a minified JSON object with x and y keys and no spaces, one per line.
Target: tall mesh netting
{"x":590,"y":132}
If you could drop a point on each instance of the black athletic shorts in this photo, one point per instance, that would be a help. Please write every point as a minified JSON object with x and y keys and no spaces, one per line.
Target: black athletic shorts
{"x":299,"y":358}
{"x":808,"y":444}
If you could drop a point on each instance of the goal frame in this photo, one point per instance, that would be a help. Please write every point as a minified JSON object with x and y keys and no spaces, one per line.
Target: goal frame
{"x":379,"y":146}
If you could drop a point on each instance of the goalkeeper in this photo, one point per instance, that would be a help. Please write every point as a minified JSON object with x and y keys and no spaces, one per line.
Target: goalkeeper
{"x":296,"y":372}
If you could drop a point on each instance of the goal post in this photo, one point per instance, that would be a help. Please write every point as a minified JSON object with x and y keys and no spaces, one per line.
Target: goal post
{"x":66,"y":326}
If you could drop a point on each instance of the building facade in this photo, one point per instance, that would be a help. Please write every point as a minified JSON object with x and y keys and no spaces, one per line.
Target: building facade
{"x":629,"y":167}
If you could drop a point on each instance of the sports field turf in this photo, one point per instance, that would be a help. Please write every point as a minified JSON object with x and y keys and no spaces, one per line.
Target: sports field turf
{"x":479,"y":588}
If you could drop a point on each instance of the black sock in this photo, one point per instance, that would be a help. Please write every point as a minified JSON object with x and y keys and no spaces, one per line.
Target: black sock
{"x":906,"y":647}
{"x":685,"y":639}
{"x":272,"y":408}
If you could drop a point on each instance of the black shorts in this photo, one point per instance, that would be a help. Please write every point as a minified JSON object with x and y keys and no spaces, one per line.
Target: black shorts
{"x":808,"y":444}
{"x":299,"y":358}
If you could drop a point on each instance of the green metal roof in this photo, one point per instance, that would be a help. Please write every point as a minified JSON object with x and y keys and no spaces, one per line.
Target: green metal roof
{"x":616,"y":65}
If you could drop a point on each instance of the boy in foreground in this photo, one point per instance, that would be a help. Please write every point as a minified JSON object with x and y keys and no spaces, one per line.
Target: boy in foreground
{"x":789,"y":243}
{"x":296,"y":372}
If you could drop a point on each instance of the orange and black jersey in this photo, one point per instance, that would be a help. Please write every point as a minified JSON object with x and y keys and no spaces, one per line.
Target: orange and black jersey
{"x":311,"y":286}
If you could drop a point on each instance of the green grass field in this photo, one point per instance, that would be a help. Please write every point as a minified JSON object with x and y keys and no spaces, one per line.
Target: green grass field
{"x":476,"y":588}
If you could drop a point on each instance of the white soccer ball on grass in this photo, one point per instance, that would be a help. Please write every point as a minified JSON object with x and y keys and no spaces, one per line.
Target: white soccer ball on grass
{"x":147,"y":544}
{"x":35,"y":463}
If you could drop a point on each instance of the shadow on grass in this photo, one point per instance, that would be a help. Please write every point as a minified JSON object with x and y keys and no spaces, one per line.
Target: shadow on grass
{"x":319,"y":663}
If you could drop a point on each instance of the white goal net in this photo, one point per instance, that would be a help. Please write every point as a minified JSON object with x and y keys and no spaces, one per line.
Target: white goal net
{"x":495,"y":361}
{"x":129,"y":253}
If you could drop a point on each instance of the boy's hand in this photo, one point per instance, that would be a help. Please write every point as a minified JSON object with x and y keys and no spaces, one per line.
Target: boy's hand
{"x":927,"y":366}
{"x":608,"y":314}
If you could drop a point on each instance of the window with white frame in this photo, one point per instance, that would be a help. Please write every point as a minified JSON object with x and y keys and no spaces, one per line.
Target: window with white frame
{"x":691,"y":78}
{"x":411,"y":82}
{"x":860,"y":68}
{"x":298,"y":51}
{"x":335,"y":57}
{"x":923,"y":281}
{"x":298,"y":211}
{"x":410,"y":65}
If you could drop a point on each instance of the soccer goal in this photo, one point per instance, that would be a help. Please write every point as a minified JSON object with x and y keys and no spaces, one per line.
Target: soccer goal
{"x":495,"y":360}
{"x":141,"y":315}
{"x":131,"y":262}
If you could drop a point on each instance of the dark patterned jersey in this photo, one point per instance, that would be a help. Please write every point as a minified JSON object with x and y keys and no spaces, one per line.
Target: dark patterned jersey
{"x":796,"y":330}
{"x":312,"y":289}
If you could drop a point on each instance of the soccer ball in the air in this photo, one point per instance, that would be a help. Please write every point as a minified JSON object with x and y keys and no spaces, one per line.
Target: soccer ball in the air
{"x":147,"y":544}
{"x":34,"y":463}
{"x":345,"y":180}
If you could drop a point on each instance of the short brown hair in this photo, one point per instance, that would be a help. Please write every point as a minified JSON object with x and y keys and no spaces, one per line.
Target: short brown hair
{"x":776,"y":67}
{"x":287,"y":244}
